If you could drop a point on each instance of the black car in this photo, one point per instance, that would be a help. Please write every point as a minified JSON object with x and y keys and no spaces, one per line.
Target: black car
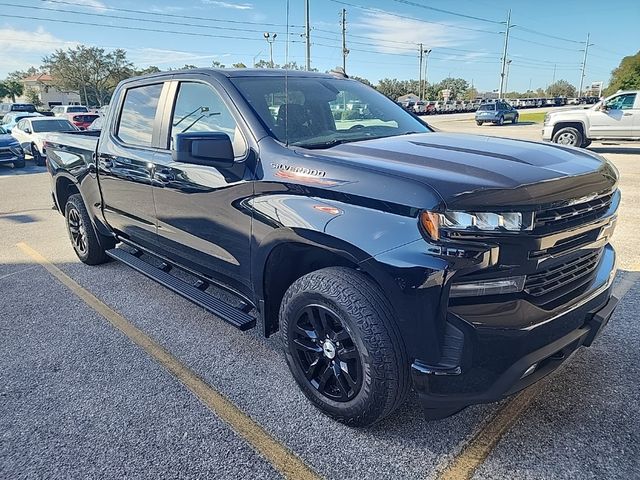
{"x":387,"y":256}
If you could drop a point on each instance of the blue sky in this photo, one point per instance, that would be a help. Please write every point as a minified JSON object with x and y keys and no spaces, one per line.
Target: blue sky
{"x":382,"y":36}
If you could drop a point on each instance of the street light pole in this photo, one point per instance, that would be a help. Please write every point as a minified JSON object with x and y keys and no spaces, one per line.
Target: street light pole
{"x":426,"y":61}
{"x":270,"y":38}
{"x":506,"y":80}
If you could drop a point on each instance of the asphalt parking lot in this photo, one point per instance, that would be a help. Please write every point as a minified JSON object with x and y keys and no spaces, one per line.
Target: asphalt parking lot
{"x":106,"y":374}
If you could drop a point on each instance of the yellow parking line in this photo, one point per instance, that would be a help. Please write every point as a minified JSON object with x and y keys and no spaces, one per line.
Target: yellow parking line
{"x":285,"y":461}
{"x":476,"y":451}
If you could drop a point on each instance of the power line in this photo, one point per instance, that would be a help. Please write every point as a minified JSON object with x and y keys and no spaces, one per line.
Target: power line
{"x":121,"y":17}
{"x":173,"y":15}
{"x":555,"y":47}
{"x":449,"y":12}
{"x":397,"y":15}
{"x":122,"y":27}
{"x":535,"y":32}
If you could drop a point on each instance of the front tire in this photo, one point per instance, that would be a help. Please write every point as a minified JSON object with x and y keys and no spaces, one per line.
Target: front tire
{"x":81,"y":232}
{"x":343,"y":347}
{"x":500,"y":121}
{"x":515,"y":120}
{"x":568,"y":136}
{"x":479,"y":123}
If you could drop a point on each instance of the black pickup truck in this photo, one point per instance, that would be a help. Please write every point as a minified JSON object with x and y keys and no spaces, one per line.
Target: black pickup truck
{"x":389,"y":256}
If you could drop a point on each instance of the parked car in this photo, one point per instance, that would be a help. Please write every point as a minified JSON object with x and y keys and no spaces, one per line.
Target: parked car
{"x":615,"y":118}
{"x":31,"y":133}
{"x":16,"y":107}
{"x":81,"y":120}
{"x":10,"y":150}
{"x":497,"y":112}
{"x":12,"y":118}
{"x":387,"y":255}
{"x":62,"y":110}
{"x":96,"y":124}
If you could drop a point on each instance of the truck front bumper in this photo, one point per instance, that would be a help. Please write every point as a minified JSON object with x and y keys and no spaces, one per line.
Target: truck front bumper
{"x":499,"y":360}
{"x":547,"y":133}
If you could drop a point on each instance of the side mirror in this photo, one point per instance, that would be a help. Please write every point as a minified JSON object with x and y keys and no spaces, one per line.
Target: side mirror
{"x":27,"y":130}
{"x":603,"y":108}
{"x":203,"y":148}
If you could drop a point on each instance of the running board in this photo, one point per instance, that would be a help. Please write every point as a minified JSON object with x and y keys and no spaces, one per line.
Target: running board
{"x":228,"y":313}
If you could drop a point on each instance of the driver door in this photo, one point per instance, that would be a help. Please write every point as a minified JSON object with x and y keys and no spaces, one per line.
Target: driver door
{"x":617,"y":120}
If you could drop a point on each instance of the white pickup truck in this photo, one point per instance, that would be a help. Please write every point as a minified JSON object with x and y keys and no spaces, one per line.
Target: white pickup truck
{"x":615,"y":118}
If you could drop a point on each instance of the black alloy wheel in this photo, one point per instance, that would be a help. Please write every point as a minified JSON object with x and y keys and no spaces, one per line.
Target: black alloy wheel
{"x":327,"y":354}
{"x":77,"y":232}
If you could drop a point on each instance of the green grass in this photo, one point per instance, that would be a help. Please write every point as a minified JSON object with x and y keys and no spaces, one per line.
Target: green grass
{"x":535,"y":117}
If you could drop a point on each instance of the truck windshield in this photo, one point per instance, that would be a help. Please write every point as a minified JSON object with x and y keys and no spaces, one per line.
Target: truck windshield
{"x":320,"y":112}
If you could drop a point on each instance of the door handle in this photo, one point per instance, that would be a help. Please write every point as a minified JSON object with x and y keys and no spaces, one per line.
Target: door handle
{"x":105,"y":163}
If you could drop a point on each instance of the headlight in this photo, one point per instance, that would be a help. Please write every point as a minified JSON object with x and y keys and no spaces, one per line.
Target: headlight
{"x":432,"y":222}
{"x":546,"y":119}
{"x":16,"y":149}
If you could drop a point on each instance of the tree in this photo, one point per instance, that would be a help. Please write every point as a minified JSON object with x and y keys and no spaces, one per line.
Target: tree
{"x":239,"y":65}
{"x":11,"y":88}
{"x":363,"y":80}
{"x":20,"y":74}
{"x":148,"y":70}
{"x":265,"y":64}
{"x":88,"y":70}
{"x":457,"y":86}
{"x":33,"y":96}
{"x":217,"y":64}
{"x":561,"y":88}
{"x":392,"y":88}
{"x":626,"y":76}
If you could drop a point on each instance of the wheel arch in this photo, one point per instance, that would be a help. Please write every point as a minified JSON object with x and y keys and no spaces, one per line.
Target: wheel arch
{"x":64,"y":188}
{"x":289,"y":256}
{"x":579,"y":125}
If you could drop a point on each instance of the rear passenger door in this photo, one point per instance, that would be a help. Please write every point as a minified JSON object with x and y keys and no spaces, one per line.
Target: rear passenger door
{"x":617,"y":120}
{"x":127,"y":150}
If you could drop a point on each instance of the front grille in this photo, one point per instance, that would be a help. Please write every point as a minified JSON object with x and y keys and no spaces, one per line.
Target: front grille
{"x":6,"y":153}
{"x":573,"y":214}
{"x":569,"y":274}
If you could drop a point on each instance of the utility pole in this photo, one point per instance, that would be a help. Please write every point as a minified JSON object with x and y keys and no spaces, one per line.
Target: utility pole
{"x":420,"y":54}
{"x":504,"y":54}
{"x":554,"y":73}
{"x":307,"y":33}
{"x":270,"y":38}
{"x":345,"y":50}
{"x":584,"y":65}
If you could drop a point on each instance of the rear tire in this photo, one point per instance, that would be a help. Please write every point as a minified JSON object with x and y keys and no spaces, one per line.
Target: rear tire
{"x":500,"y":121}
{"x":82,"y":234}
{"x":343,"y":347}
{"x":37,"y":156}
{"x":568,"y":136}
{"x":479,"y":124}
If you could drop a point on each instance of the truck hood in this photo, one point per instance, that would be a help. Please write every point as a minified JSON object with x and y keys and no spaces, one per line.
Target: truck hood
{"x":472,"y":171}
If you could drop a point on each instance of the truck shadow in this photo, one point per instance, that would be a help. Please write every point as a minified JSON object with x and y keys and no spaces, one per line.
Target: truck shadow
{"x":616,"y":149}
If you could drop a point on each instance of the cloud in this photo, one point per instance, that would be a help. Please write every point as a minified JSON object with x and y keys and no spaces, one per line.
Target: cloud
{"x":235,"y":6}
{"x":162,"y":57}
{"x":392,"y":34}
{"x":96,"y":5}
{"x":25,"y":48}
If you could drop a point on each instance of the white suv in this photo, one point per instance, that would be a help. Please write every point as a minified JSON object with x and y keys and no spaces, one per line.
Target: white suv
{"x":615,"y":118}
{"x":61,"y":110}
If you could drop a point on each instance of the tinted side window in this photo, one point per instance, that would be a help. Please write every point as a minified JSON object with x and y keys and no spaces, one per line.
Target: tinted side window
{"x":138,"y":113}
{"x":200,"y":109}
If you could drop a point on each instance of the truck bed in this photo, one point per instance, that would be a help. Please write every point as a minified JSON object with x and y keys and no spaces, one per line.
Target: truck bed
{"x":70,"y":150}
